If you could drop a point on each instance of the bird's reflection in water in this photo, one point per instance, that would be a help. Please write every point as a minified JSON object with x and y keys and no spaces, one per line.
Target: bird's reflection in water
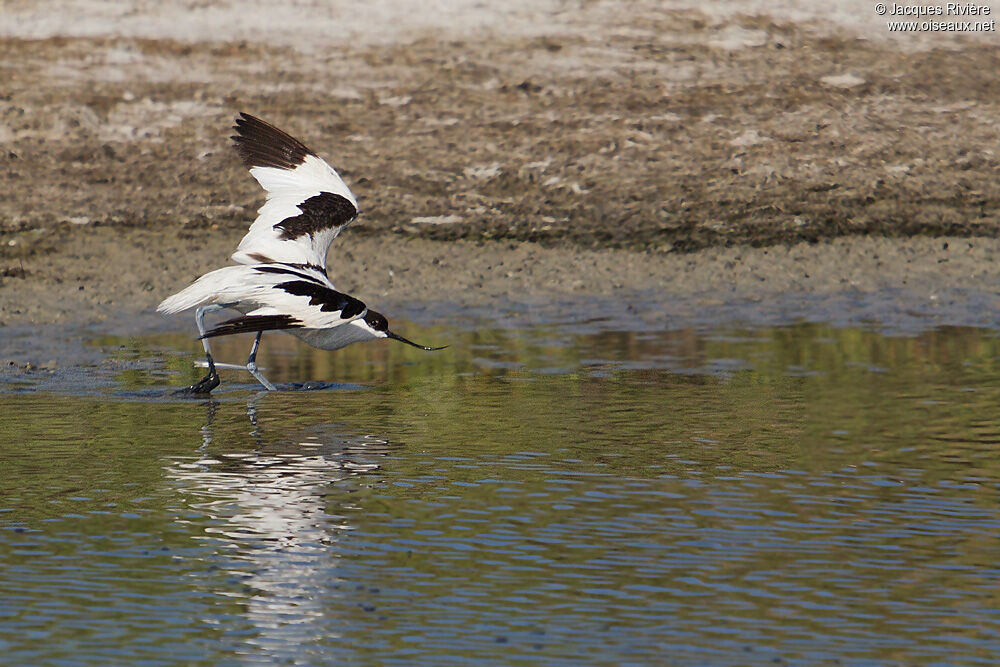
{"x":278,"y":505}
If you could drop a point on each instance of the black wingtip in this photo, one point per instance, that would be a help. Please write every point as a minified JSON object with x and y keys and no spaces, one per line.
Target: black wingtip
{"x":260,"y":144}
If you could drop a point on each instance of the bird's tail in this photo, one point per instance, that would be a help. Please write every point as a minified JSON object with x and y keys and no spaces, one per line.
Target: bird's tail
{"x":191,"y":296}
{"x":210,"y":288}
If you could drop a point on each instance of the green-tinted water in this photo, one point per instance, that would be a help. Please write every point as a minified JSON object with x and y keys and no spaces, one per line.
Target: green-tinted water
{"x":532,"y":496}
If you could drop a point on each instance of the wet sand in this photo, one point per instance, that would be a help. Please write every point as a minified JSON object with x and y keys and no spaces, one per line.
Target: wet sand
{"x":105,"y":272}
{"x":540,"y":150}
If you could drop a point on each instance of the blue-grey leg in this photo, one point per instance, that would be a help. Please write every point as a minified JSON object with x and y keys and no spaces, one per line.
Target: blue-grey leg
{"x":210,"y":381}
{"x":252,"y":364}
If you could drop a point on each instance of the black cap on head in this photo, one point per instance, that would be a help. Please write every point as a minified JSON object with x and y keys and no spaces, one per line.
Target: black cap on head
{"x":376,"y":320}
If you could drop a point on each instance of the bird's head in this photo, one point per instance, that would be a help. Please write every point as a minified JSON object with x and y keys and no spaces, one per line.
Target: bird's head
{"x":380,"y":324}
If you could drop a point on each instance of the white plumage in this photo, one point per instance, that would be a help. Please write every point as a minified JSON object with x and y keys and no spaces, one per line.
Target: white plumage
{"x":256,"y":293}
{"x":280,"y":281}
{"x":285,"y":191}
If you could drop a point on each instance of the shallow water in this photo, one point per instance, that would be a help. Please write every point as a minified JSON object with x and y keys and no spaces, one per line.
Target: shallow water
{"x":546,"y":494}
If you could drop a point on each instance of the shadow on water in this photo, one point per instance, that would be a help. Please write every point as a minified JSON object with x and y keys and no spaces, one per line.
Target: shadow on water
{"x":801,"y":493}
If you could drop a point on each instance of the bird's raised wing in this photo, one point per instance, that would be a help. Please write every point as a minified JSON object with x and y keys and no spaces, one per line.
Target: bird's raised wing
{"x":307,"y":201}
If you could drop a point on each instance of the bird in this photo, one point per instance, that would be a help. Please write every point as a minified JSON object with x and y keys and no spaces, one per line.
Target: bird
{"x":279,"y":281}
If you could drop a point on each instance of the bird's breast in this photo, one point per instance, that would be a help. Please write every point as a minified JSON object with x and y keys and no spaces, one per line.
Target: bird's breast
{"x":335,"y":337}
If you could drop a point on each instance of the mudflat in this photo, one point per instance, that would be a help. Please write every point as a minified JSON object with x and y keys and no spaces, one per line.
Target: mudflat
{"x":539,"y":148}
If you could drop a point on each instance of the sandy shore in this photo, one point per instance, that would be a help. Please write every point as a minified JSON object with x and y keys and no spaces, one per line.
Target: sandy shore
{"x":104,"y":272}
{"x":548,"y":148}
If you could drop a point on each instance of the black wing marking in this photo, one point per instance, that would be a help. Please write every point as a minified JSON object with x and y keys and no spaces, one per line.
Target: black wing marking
{"x":327,"y":299}
{"x":323,"y":211}
{"x":261,"y":144}
{"x":248,"y":323}
{"x":287,"y":270}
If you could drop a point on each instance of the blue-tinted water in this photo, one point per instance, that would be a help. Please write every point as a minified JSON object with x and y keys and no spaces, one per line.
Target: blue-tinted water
{"x":534,"y":495}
